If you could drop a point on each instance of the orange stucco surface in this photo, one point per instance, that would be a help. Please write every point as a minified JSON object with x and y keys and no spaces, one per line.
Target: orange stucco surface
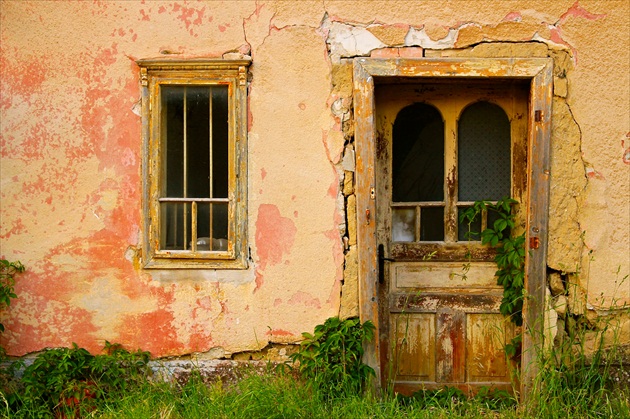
{"x":71,"y":147}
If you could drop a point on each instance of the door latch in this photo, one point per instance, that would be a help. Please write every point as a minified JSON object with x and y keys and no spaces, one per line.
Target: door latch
{"x":381,"y":263}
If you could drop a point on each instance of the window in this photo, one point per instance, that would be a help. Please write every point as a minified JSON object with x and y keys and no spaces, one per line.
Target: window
{"x":451,"y":144}
{"x":194,"y":163}
{"x":482,"y":161}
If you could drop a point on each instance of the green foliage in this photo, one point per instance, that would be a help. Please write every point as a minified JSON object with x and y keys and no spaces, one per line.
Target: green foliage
{"x":455,"y":400}
{"x":510,"y":257}
{"x":7,"y":283}
{"x":71,"y":380}
{"x":579,"y":382}
{"x":331,"y":357}
{"x":282,"y":396}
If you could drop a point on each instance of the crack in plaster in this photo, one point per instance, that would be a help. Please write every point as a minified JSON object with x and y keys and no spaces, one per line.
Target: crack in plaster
{"x":249,"y":18}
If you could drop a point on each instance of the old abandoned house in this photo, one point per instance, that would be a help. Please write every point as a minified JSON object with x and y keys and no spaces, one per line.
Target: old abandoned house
{"x":209,"y":179}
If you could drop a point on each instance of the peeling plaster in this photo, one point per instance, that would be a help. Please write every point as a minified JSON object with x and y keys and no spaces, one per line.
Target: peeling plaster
{"x":70,"y":149}
{"x":419,"y":37}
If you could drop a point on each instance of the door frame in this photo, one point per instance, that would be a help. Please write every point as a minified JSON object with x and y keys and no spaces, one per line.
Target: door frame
{"x":539,"y":72}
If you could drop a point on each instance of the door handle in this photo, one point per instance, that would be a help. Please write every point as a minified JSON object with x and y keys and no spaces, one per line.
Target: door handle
{"x":381,"y":263}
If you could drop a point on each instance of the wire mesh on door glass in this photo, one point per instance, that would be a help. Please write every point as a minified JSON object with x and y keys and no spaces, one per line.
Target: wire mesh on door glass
{"x":483,"y":153}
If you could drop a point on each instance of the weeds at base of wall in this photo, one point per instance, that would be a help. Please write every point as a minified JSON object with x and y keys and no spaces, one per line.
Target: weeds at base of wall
{"x":578,"y":381}
{"x":8,"y":270}
{"x":578,"y":392}
{"x":69,"y":382}
{"x":332,"y":357}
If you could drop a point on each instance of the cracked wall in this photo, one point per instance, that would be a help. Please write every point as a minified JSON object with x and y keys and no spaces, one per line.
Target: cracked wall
{"x":529,"y":33}
{"x":71,"y":176}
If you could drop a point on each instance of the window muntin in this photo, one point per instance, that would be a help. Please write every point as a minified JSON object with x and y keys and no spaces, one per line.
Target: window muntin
{"x":195,"y":163}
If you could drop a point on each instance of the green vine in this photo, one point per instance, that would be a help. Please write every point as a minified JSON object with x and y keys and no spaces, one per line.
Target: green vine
{"x":510,"y":257}
{"x":7,"y":283}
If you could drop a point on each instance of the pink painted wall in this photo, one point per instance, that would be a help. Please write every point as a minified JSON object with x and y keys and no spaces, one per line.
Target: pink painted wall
{"x":70,"y":152}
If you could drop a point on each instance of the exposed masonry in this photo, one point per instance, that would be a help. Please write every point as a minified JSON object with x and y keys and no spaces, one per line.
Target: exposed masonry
{"x":516,"y":36}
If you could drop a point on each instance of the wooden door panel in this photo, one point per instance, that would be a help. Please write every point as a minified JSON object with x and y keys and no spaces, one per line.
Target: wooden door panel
{"x":441,"y":275}
{"x":487,"y":335}
{"x":414,"y":351}
{"x":431,"y":303}
{"x":450,"y":346}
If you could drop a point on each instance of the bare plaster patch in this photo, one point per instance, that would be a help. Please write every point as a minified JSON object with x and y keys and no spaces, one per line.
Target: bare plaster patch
{"x":421,"y":38}
{"x":350,"y":41}
{"x":389,"y":34}
{"x":108,"y":303}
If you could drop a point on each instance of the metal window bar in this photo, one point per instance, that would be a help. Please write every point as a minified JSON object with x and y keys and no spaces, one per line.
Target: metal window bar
{"x":193,"y":227}
{"x":185,"y":200}
{"x":210,"y":177}
{"x":185,"y":170}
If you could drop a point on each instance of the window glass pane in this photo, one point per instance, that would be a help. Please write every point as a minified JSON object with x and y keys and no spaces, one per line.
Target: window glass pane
{"x":418,"y":155}
{"x":175,"y":230}
{"x":215,"y":238}
{"x":403,"y":224}
{"x":195,"y":138}
{"x":220,"y":139}
{"x":432,"y":224}
{"x":463,"y":228}
{"x":198,"y":141}
{"x":483,"y":153}
{"x":173,"y":140}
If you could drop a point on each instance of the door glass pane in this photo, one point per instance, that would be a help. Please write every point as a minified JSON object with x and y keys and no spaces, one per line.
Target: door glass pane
{"x":418,"y":155}
{"x":432,"y":224}
{"x":466,"y":232}
{"x":494,"y":216}
{"x":483,"y":153}
{"x":403,"y":224}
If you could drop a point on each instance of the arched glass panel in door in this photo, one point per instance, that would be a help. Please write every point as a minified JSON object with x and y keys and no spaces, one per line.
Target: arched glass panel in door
{"x":483,"y":158}
{"x":418,"y":175}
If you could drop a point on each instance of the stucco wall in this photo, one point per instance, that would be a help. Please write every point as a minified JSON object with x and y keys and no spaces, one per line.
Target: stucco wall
{"x":71,"y":151}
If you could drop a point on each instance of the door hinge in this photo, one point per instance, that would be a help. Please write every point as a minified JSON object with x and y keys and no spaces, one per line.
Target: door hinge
{"x":534,"y":242}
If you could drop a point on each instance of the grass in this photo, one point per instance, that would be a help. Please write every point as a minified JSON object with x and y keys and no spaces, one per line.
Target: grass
{"x":282,"y":396}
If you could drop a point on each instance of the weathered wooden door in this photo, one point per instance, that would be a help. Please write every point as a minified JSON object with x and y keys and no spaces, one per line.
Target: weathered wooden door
{"x":440,"y":147}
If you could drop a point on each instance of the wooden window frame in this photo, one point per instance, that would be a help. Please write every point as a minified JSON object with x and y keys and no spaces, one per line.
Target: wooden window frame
{"x":539,"y":72}
{"x":155,"y":73}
